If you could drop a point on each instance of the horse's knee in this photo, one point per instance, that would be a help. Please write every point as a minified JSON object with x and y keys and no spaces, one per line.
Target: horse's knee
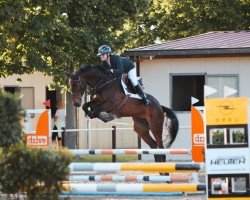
{"x":95,"y":113}
{"x":84,"y":107}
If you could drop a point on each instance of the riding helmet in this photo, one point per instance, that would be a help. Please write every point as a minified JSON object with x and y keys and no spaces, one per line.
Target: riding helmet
{"x":104,"y":49}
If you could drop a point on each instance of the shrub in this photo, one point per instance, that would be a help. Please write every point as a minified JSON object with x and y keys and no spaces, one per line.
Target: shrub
{"x":218,"y":138}
{"x":38,"y":172}
{"x":11,"y":114}
{"x":239,"y":137}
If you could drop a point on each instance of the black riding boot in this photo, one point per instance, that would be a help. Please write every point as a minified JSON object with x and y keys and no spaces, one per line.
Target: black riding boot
{"x":142,"y":94}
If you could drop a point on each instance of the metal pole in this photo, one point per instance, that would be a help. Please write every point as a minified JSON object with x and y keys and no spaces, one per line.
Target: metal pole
{"x":63,"y":135}
{"x":139,"y":147}
{"x":114,"y":142}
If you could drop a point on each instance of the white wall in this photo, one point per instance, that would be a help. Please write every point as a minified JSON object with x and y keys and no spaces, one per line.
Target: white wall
{"x":156,"y":79}
{"x":36,"y":80}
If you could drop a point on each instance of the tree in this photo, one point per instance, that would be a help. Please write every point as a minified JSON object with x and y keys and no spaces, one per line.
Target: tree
{"x":50,"y":37}
{"x":54,"y":36}
{"x":198,"y":16}
{"x":172,"y":19}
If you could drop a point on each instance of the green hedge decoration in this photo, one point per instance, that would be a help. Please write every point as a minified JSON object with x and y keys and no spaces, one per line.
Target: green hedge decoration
{"x":35,"y":171}
{"x":11,"y":114}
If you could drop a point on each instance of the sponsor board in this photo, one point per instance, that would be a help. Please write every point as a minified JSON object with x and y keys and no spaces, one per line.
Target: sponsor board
{"x":198,"y":139}
{"x":197,"y":135}
{"x":227,"y":161}
{"x":41,"y":136}
{"x":226,"y":111}
{"x":37,"y":140}
{"x":227,"y":147}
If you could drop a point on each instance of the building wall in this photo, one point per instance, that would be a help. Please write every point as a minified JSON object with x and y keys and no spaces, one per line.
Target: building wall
{"x":156,"y":79}
{"x":97,"y":139}
{"x":36,"y":80}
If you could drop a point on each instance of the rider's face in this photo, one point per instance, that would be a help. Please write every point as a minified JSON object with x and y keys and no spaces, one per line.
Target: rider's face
{"x":104,"y":57}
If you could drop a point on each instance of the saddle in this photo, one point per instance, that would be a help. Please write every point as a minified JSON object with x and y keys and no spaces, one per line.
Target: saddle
{"x":130,"y":89}
{"x":129,"y":85}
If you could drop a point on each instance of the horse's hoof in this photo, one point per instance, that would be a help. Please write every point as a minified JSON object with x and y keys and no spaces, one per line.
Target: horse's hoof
{"x":104,"y":119}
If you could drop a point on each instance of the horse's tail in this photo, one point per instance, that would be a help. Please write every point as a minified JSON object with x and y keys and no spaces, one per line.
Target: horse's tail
{"x":170,"y":127}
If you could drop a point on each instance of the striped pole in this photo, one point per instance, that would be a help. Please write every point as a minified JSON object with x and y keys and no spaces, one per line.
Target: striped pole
{"x":129,"y":151}
{"x":130,"y":178}
{"x":76,"y":187}
{"x":165,"y":194}
{"x":148,"y":167}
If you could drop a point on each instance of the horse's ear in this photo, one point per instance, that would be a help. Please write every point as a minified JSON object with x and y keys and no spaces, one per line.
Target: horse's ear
{"x":67,"y":74}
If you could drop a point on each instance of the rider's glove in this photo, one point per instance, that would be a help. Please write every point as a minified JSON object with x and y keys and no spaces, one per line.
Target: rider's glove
{"x":109,"y":72}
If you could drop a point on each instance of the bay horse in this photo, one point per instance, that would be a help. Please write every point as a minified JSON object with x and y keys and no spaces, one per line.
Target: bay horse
{"x":109,"y":97}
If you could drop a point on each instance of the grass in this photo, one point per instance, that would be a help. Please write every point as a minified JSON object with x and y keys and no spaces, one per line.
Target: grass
{"x":105,"y":158}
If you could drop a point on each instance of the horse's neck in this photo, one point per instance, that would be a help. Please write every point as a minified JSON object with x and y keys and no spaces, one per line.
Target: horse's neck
{"x":93,"y":80}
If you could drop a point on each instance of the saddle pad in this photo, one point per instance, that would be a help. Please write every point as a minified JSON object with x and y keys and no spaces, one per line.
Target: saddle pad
{"x":132,"y":95}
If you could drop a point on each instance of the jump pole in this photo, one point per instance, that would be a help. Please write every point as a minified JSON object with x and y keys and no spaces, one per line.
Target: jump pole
{"x":130,"y":188}
{"x":129,"y":151}
{"x":130,"y":178}
{"x":124,"y":193}
{"x":147,"y":167}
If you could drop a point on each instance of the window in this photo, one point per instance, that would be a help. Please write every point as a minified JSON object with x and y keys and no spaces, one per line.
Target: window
{"x":192,"y":85}
{"x":219,"y":81}
{"x":183,"y":88}
{"x":27,"y":101}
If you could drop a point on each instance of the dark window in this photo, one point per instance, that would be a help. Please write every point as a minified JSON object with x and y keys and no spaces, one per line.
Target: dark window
{"x":27,"y":100}
{"x":183,"y":88}
{"x":11,"y":90}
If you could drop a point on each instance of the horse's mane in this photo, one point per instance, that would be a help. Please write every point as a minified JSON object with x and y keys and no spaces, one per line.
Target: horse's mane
{"x":95,"y":68}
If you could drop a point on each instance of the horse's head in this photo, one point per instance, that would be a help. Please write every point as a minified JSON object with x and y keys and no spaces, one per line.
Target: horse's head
{"x":87,"y":75}
{"x":77,"y":88}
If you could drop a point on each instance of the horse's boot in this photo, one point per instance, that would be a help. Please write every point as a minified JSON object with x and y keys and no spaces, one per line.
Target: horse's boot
{"x":142,"y":94}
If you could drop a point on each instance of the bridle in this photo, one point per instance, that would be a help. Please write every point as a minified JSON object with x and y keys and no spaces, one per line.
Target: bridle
{"x":79,"y":82}
{"x":94,"y":89}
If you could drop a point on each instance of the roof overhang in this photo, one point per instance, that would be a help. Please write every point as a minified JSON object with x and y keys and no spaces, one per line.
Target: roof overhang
{"x":189,"y":52}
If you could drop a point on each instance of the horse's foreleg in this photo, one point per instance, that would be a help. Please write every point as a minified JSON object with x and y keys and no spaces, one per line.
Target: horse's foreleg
{"x":105,"y":112}
{"x":91,"y":104}
{"x":93,"y":109}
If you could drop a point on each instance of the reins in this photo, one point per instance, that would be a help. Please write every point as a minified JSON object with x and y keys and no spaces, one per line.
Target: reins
{"x":97,"y":87}
{"x":105,"y":84}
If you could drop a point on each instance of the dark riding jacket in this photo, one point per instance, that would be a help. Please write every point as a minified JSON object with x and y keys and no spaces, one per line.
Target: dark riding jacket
{"x":119,"y":65}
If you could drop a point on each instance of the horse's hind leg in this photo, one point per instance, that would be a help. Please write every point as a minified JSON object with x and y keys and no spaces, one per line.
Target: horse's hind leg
{"x":141,"y":127}
{"x":156,"y":126}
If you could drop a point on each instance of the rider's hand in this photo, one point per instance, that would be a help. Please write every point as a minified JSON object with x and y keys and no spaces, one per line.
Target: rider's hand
{"x":108,"y":71}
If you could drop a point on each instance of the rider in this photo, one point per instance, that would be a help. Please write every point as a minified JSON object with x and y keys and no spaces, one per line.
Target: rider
{"x":119,"y":65}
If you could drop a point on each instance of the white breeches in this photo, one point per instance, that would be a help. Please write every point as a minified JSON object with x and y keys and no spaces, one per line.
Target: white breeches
{"x":132,"y":76}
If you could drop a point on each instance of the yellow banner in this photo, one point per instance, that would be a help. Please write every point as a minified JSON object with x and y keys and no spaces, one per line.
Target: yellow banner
{"x":226,"y":111}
